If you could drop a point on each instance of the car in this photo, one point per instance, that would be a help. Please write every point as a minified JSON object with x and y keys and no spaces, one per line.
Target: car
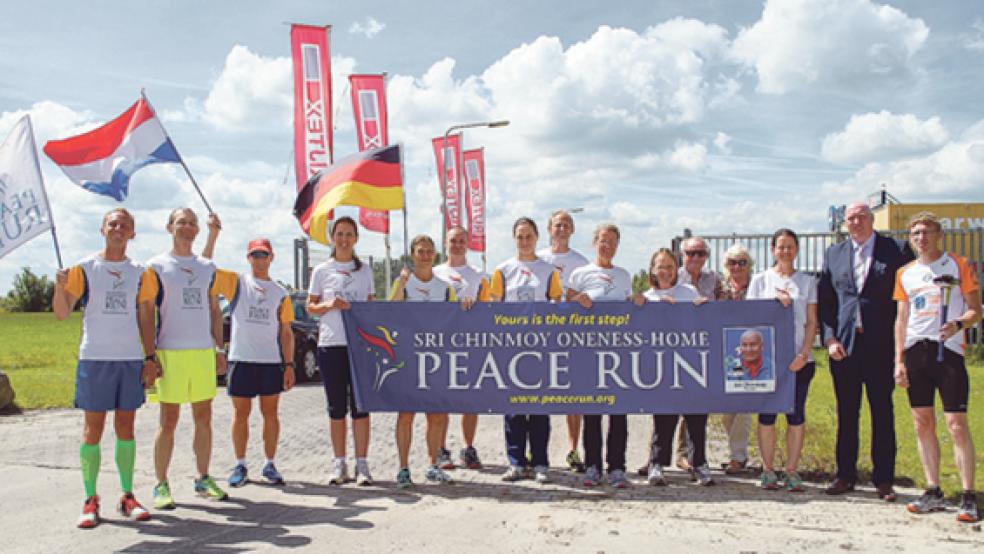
{"x":305,"y":327}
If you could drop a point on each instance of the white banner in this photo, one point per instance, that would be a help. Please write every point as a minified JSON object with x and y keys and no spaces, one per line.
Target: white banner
{"x":24,"y":212}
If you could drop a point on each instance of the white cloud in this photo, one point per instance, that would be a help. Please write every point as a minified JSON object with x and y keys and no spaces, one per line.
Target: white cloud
{"x":974,"y":40}
{"x":370,"y":28}
{"x":797,"y":43}
{"x":686,"y":157}
{"x":50,"y":120}
{"x":954,"y":171}
{"x":883,"y":136}
{"x":722,"y":143}
{"x":254,"y":92}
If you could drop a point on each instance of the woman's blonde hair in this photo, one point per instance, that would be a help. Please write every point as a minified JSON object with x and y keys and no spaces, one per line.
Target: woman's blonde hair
{"x":735,"y":251}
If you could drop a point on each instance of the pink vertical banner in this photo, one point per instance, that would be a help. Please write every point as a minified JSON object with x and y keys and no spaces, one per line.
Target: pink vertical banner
{"x":450,"y":151}
{"x":474,"y":172}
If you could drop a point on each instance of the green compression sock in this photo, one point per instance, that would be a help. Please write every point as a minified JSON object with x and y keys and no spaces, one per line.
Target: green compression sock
{"x":91,"y":456}
{"x":126,"y":453}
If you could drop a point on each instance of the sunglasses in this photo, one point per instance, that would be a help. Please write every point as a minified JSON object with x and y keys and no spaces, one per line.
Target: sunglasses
{"x":696,"y":253}
{"x":259,"y":255}
{"x":739,"y":263}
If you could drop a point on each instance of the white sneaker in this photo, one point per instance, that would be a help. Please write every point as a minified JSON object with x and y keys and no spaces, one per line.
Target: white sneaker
{"x":656,"y":477}
{"x":514,"y":473}
{"x":362,"y":476}
{"x":540,"y":474}
{"x":339,"y":474}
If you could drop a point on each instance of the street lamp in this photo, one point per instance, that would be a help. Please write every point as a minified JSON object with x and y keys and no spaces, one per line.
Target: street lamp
{"x":447,"y":165}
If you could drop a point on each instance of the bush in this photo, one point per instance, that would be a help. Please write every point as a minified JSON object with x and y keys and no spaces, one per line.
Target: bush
{"x":31,"y":293}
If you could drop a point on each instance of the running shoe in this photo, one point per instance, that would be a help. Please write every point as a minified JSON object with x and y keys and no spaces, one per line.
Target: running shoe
{"x":362,"y":476}
{"x":271,"y":474}
{"x":437,"y":475}
{"x":574,"y":462}
{"x":793,"y":482}
{"x":162,"y":496}
{"x":541,"y":475}
{"x":656,"y":476}
{"x":515,"y":473}
{"x":469,"y":458}
{"x":968,"y":508}
{"x":616,"y":479}
{"x":131,"y":509}
{"x":592,"y":477}
{"x":403,"y":480}
{"x":206,"y":488}
{"x":238,"y":476}
{"x":90,"y":513}
{"x":931,"y":501}
{"x":444,"y":460}
{"x":702,"y":474}
{"x":339,"y":473}
{"x":769,"y":480}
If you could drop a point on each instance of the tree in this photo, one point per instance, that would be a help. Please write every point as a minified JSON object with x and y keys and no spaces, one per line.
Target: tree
{"x":640,"y":281}
{"x":31,"y":293}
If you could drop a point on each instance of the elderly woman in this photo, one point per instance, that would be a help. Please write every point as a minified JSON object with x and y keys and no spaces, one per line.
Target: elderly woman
{"x":737,"y":271}
{"x":799,"y":290}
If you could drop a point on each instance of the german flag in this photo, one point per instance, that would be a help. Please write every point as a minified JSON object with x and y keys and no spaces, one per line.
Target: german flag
{"x":370,"y":179}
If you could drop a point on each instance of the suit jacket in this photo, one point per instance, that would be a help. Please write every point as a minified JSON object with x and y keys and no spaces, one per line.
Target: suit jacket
{"x":838,"y":296}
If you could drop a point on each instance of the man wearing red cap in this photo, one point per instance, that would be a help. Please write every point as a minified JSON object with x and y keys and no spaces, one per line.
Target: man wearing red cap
{"x":261,"y":354}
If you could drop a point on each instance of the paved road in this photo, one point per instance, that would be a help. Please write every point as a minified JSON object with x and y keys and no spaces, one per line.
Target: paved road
{"x":41,"y":493}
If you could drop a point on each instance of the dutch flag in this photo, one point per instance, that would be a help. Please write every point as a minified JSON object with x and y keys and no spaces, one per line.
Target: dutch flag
{"x":104,"y":159}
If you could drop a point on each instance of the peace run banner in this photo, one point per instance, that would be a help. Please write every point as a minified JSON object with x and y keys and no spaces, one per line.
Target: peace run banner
{"x":616,"y":358}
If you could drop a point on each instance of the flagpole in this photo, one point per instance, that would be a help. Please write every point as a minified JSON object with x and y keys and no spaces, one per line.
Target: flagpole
{"x":44,"y":192}
{"x":180,"y":158}
{"x":403,"y":189}
{"x":386,"y":238}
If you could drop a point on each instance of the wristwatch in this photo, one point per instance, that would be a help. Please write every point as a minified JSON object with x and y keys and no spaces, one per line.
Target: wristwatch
{"x":289,"y":364}
{"x":220,"y":350}
{"x":150,"y":357}
{"x":959,"y":323}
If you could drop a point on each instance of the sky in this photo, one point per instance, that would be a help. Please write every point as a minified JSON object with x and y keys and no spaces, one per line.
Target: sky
{"x":716,"y":116}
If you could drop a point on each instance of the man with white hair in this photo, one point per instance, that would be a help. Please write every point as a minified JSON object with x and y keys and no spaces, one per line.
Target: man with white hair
{"x":857,"y":318}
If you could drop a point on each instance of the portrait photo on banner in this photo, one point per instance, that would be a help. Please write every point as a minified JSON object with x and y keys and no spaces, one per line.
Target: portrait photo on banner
{"x":749,"y":359}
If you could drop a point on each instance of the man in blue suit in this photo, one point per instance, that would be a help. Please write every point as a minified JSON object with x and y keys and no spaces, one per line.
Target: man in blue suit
{"x":857,"y":316}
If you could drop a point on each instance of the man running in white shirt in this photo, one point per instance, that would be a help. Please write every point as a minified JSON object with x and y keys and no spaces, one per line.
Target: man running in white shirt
{"x":467,"y":282}
{"x":565,"y":259}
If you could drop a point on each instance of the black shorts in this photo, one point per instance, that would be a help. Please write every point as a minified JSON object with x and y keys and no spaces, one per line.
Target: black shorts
{"x":926,"y":375}
{"x":248,"y":379}
{"x":336,"y":376}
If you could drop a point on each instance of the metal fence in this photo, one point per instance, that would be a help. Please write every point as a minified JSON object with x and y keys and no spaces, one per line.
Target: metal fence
{"x":968,"y":243}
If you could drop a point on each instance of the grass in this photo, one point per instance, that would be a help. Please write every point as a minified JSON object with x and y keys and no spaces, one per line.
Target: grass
{"x":39,"y":356}
{"x":40,"y":353}
{"x":821,"y":432}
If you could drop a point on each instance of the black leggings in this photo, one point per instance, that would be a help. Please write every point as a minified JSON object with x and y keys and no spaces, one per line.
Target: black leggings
{"x":662,"y":447}
{"x":618,"y":433}
{"x":333,"y":363}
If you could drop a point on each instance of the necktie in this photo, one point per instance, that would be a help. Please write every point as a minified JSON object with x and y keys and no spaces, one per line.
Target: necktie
{"x":860,"y":272}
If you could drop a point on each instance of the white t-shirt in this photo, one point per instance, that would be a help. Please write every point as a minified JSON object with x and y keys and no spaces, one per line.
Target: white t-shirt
{"x":333,"y":279}
{"x":258,"y":309}
{"x":914,"y":284}
{"x":602,"y":284}
{"x":109,"y":293}
{"x":186,"y":284}
{"x":680,"y":292}
{"x":465,"y":279}
{"x":435,"y":290}
{"x":565,"y":263}
{"x":800,"y":286}
{"x":526,"y":281}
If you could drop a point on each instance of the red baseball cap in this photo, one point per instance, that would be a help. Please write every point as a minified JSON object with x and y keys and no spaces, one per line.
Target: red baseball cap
{"x":259,"y":245}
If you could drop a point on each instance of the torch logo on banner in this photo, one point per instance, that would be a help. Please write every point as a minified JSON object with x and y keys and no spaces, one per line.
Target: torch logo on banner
{"x":316,"y":142}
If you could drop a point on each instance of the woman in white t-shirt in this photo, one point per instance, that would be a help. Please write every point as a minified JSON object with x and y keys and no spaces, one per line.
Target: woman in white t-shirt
{"x":335,"y":284}
{"x":601,"y":281}
{"x":526,"y":278}
{"x":421,"y":285}
{"x":663,"y":271}
{"x":782,"y":282}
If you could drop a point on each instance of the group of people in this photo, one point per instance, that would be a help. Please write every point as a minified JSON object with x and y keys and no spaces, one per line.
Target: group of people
{"x":876,"y":305}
